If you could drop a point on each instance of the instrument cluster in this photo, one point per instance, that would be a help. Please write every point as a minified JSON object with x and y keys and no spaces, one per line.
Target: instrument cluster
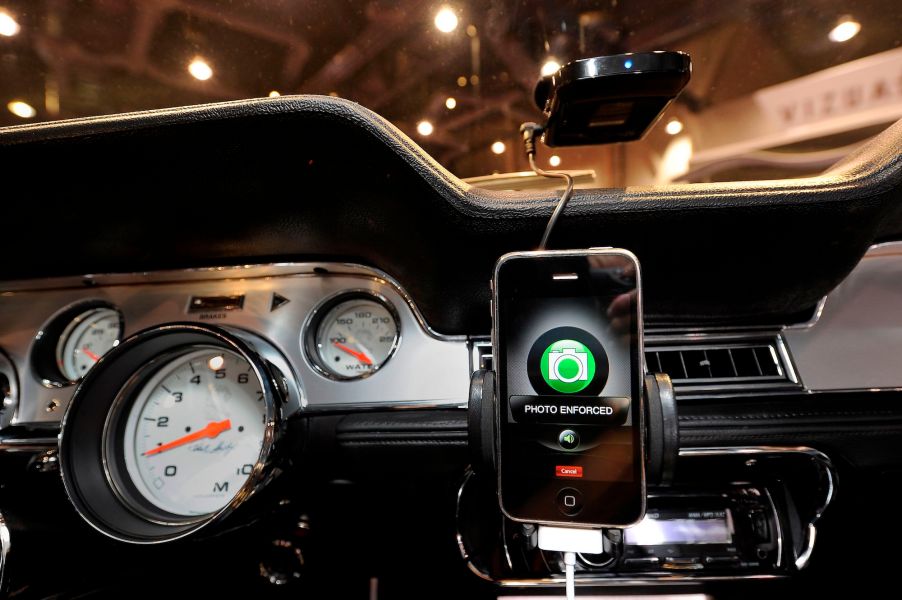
{"x":174,"y":393}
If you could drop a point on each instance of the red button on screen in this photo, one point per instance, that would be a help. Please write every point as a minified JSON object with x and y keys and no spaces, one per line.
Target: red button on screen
{"x":568,"y":471}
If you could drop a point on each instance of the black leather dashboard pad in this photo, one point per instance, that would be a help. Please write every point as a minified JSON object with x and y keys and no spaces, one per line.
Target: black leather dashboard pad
{"x":322,"y":177}
{"x":863,"y":429}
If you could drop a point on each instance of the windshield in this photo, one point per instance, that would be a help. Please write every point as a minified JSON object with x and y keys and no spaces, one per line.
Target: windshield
{"x":779,"y":88}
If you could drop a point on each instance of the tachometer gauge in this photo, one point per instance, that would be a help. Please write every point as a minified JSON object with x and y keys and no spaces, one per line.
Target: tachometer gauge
{"x":353,"y":335}
{"x":85,"y":339}
{"x":194,"y":432}
{"x":174,"y":429}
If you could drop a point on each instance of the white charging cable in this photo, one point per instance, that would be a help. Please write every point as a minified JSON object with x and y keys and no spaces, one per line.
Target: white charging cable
{"x":570,"y":541}
{"x":570,"y":574}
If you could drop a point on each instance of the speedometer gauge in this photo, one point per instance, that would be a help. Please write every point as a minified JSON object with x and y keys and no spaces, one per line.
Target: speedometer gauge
{"x":353,"y":335}
{"x":195,"y":432}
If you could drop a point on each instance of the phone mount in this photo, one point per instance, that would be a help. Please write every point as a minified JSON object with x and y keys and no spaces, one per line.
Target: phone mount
{"x":662,"y":438}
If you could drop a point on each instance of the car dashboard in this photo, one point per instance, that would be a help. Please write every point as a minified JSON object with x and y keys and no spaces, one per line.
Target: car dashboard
{"x":237,"y":247}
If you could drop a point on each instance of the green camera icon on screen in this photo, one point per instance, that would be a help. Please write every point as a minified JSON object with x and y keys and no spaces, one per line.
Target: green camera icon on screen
{"x":568,"y":366}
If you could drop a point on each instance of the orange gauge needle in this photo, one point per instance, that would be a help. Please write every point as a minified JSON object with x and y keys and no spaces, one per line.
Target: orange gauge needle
{"x":212,"y":429}
{"x":90,"y":354}
{"x":358,"y":355}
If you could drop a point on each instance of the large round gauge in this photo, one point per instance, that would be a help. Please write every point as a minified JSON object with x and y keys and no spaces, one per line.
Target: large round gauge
{"x":86,"y":338}
{"x":353,"y":335}
{"x":174,"y":429}
{"x":194,"y":432}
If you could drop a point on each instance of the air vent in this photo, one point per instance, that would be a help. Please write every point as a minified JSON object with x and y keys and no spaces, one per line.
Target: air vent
{"x":721,"y":364}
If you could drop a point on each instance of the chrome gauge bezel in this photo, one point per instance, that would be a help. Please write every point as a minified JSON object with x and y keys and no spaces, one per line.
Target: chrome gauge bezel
{"x":96,"y":481}
{"x":115,"y":435}
{"x":316,"y":320}
{"x":46,"y":355}
{"x":70,"y":330}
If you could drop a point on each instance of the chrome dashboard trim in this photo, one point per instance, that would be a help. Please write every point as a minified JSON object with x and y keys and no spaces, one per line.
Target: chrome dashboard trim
{"x":156,"y":298}
{"x":11,"y":444}
{"x":250,"y":271}
{"x":802,"y":559}
{"x":10,"y":403}
{"x":856,"y":341}
{"x":818,"y":311}
{"x":4,"y":552}
{"x":773,"y":507}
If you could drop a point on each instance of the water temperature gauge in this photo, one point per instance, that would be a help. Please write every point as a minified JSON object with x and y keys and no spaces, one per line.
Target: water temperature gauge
{"x":353,"y":335}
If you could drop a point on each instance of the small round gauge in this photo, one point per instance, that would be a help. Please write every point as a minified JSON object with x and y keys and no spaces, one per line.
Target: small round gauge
{"x":194,"y":432}
{"x":355,"y":336}
{"x":85,"y":339}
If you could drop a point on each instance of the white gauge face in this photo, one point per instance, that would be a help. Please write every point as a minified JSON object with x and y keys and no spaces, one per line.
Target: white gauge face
{"x":195,"y":432}
{"x":88,"y":337}
{"x":356,"y":337}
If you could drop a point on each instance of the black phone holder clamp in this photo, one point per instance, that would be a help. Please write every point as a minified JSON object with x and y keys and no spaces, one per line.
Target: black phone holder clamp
{"x":662,"y":442}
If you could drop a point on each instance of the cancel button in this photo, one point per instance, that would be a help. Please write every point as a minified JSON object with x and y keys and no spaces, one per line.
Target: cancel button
{"x":591,"y":410}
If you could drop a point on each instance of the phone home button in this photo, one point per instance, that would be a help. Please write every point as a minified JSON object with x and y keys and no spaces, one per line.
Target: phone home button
{"x":569,"y":501}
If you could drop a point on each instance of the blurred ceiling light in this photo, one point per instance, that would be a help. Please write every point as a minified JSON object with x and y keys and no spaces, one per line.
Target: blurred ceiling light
{"x":8,"y":25}
{"x":21,"y":109}
{"x":674,"y":126}
{"x":425,"y":128}
{"x":845,"y":30}
{"x":451,"y":103}
{"x":200,"y":69}
{"x":461,"y":81}
{"x":499,"y":147}
{"x":274,"y":94}
{"x":550,"y":67}
{"x":554,"y":160}
{"x":446,"y":19}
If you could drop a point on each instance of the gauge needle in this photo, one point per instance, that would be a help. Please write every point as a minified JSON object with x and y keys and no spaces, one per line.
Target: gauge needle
{"x":212,"y":429}
{"x":358,"y":355}
{"x":90,"y":354}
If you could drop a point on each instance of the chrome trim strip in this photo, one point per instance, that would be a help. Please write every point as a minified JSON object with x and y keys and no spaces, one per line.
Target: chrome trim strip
{"x":219,"y":273}
{"x":773,"y":509}
{"x":651,"y":579}
{"x":4,"y":552}
{"x":468,"y":474}
{"x":805,"y":556}
{"x":818,"y":311}
{"x":9,"y":404}
{"x":10,"y":444}
{"x":153,"y":299}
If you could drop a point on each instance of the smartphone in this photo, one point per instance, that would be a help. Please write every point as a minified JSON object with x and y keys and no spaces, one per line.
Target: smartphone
{"x":567,"y":342}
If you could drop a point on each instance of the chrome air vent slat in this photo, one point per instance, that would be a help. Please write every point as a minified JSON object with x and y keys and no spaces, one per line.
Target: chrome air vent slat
{"x":722,"y":364}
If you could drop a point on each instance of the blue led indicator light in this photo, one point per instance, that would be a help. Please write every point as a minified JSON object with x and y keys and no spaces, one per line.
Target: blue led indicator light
{"x":628,"y":64}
